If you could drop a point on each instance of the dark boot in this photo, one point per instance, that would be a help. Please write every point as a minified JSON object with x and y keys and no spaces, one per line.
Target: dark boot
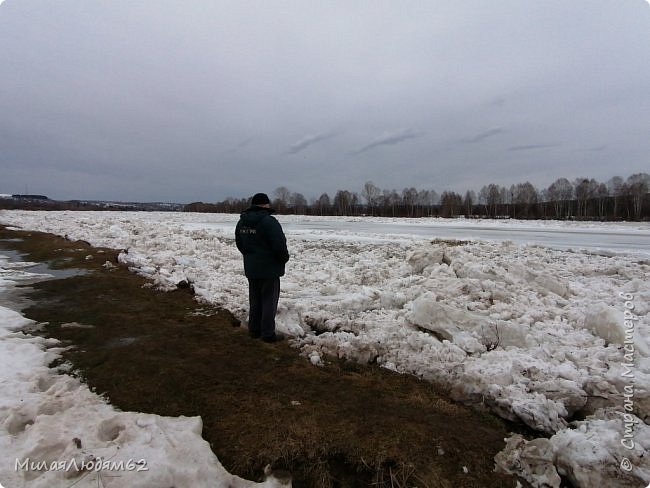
{"x":276,"y":337}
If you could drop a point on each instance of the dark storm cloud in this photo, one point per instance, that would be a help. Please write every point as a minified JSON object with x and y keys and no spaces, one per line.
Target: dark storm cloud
{"x":483,"y":135}
{"x":389,"y":139}
{"x":307,"y":141}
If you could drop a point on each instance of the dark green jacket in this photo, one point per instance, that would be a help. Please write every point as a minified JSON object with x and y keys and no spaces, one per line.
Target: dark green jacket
{"x":260,"y":239}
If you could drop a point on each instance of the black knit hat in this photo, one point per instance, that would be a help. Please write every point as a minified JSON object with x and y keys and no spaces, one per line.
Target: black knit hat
{"x":260,"y":199}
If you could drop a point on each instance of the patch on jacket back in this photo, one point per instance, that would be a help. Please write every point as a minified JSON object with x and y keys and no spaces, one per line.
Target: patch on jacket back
{"x":247,"y":230}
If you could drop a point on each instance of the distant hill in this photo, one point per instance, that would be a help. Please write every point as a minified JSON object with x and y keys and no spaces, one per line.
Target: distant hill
{"x":41,"y":202}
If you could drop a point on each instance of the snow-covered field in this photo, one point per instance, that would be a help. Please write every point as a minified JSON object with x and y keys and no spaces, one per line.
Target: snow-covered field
{"x":536,"y":334}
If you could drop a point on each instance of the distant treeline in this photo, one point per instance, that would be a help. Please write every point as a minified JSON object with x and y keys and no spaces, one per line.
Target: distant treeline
{"x":41,"y":202}
{"x":581,"y":199}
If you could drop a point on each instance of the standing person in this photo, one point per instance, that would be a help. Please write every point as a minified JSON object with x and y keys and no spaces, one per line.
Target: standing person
{"x":259,"y":237}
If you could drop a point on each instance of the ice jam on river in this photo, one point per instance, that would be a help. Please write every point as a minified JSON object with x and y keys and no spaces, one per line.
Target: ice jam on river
{"x":553,"y":337}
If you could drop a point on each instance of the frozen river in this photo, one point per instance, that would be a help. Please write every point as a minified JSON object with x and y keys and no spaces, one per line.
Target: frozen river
{"x":620,"y":237}
{"x":559,"y":238}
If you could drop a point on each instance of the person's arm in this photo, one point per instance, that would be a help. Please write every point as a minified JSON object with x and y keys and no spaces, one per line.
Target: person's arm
{"x":276,"y":239}
{"x":238,"y":239}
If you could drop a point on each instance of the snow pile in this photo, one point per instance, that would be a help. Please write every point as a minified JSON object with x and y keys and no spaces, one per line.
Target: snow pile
{"x":55,"y":432}
{"x":576,"y":453}
{"x":536,"y":334}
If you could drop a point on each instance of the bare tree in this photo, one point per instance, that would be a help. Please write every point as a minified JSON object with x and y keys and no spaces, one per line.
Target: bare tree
{"x":525,"y":195}
{"x":483,"y":199}
{"x":560,"y":193}
{"x":282,"y":197}
{"x":343,"y":202}
{"x":451,"y":203}
{"x":491,"y":197}
{"x":391,"y":199}
{"x":426,"y":199}
{"x":615,"y":188}
{"x":434,"y":197}
{"x":409,"y":200}
{"x":323,"y":204}
{"x":371,"y":194}
{"x":601,"y":195}
{"x":638,"y":185}
{"x":585,"y":190}
{"x":354,"y":202}
{"x":468,"y":202}
{"x":298,"y":202}
{"x":507,"y":198}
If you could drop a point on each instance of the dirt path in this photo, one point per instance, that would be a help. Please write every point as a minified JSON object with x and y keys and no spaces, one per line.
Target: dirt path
{"x":165,"y":353}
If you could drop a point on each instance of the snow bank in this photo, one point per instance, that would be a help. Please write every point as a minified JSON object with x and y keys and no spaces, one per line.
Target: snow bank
{"x":589,"y":454}
{"x":538,"y":335}
{"x":55,"y":432}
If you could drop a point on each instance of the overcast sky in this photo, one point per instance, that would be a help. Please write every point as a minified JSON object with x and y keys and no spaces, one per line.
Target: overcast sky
{"x":186,"y":100}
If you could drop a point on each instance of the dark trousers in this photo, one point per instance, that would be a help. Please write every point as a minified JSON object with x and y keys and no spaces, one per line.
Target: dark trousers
{"x":263,"y":298}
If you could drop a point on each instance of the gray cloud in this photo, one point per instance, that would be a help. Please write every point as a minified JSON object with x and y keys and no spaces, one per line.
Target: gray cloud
{"x":389,"y":139}
{"x":483,"y":135}
{"x":244,"y":143}
{"x":531,"y":147}
{"x":307,"y":141}
{"x":498,"y":102}
{"x":240,"y":146}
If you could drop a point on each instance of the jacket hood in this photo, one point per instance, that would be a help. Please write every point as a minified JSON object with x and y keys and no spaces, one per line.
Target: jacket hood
{"x":252,"y":215}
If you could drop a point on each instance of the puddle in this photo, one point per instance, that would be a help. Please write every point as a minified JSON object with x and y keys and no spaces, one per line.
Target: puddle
{"x":17,"y":298}
{"x":40,"y":268}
